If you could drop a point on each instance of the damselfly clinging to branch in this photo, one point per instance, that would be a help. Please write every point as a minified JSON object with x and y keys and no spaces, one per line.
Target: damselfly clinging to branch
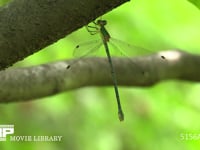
{"x":105,"y":36}
{"x":99,"y":27}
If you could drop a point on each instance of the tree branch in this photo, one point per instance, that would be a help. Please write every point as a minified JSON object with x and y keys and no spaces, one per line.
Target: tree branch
{"x":24,"y":84}
{"x":26,"y":26}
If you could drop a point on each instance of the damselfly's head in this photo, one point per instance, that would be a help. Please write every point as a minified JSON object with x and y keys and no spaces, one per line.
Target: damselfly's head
{"x":101,"y":22}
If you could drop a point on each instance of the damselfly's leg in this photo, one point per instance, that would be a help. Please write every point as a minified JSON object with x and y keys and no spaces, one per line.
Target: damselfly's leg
{"x":92,"y":29}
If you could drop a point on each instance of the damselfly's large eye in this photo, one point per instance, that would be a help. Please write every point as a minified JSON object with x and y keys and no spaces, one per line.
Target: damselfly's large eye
{"x":101,"y":22}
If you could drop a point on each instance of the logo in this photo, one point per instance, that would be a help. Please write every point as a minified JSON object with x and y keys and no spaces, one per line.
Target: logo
{"x":5,"y":130}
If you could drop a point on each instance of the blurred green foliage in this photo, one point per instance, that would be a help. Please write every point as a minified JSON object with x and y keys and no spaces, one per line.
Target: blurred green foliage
{"x":156,"y":118}
{"x":195,"y":2}
{"x":3,"y":2}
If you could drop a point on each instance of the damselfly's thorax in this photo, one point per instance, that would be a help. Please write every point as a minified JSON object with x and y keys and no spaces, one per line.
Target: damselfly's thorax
{"x":104,"y":33}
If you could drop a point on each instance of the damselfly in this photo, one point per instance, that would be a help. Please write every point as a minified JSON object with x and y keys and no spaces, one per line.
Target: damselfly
{"x":105,"y":39}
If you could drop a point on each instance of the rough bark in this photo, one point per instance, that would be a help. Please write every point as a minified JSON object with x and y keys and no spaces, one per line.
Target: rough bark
{"x":27,"y":26}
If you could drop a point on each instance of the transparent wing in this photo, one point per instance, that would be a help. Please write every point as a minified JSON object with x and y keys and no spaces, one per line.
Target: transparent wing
{"x":123,"y":49}
{"x":126,"y":49}
{"x":87,"y":48}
